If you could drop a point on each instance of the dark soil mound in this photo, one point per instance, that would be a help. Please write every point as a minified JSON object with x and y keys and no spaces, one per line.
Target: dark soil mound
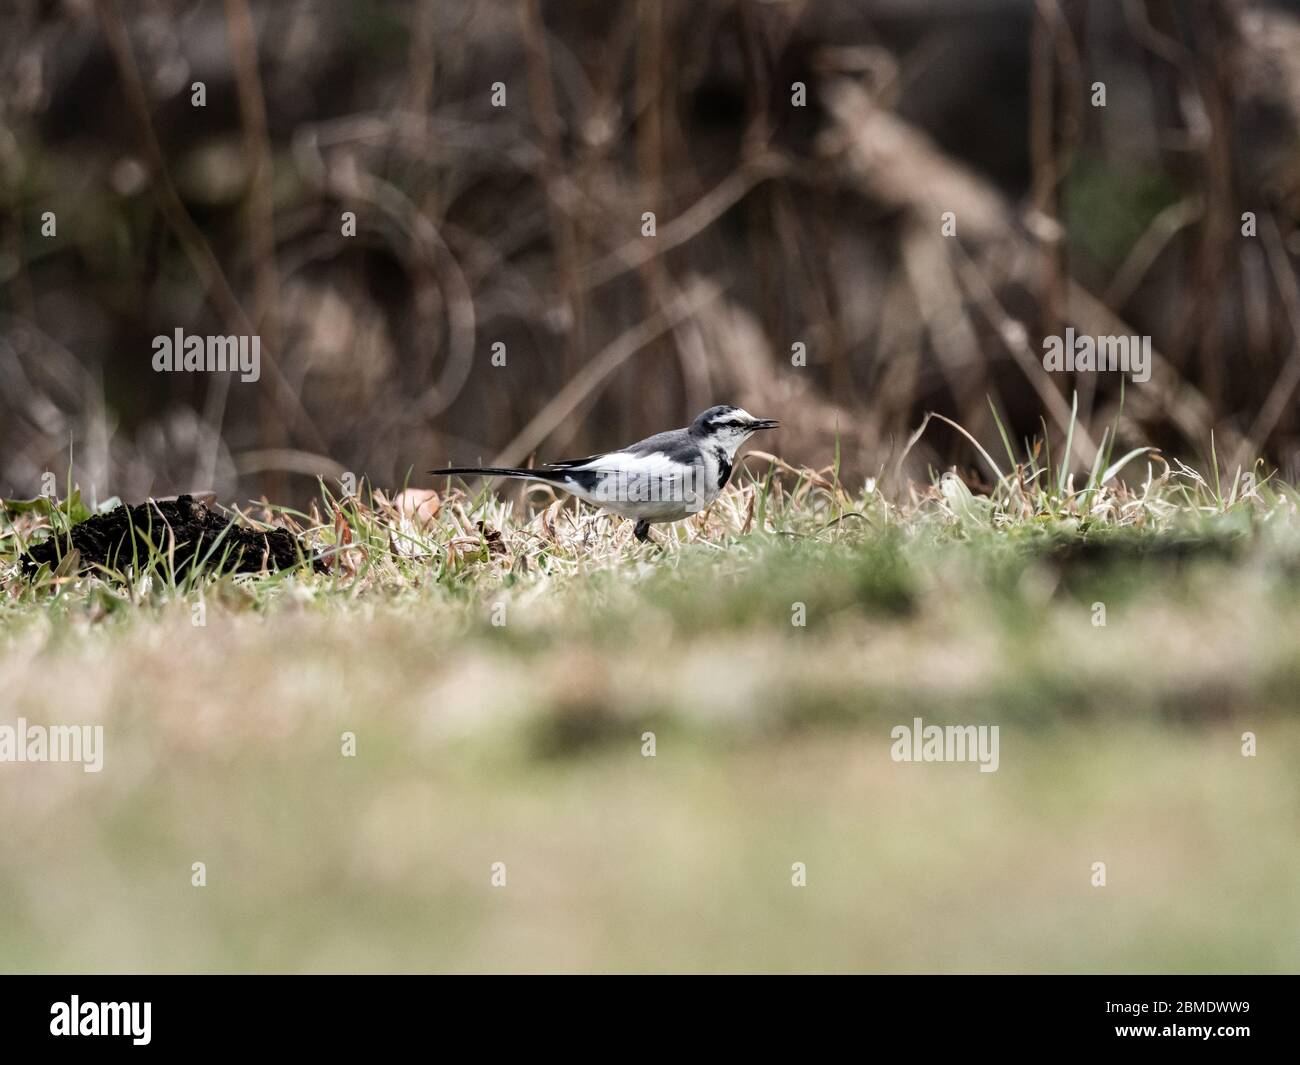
{"x":106,"y":539}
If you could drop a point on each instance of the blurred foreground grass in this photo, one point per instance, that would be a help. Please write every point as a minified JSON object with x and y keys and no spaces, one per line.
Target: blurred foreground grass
{"x":499,"y":680}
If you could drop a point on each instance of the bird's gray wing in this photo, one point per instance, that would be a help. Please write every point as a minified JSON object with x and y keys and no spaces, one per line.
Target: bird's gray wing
{"x":659,"y":456}
{"x":676,"y":444}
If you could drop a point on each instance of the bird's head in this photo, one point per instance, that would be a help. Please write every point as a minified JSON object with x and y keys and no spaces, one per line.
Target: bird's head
{"x":728,"y":427}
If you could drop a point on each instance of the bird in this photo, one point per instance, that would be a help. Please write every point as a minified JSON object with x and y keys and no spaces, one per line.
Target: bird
{"x":662,"y":478}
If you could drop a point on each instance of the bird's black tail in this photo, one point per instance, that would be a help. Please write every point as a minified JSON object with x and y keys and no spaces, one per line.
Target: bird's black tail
{"x":498,"y":471}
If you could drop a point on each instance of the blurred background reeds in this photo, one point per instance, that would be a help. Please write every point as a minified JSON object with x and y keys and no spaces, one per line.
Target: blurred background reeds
{"x":798,"y":158}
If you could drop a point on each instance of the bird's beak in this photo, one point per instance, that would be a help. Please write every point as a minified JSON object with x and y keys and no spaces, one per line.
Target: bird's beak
{"x":763,"y":423}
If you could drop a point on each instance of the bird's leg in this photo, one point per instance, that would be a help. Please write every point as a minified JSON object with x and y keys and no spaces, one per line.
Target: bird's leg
{"x":642,"y":530}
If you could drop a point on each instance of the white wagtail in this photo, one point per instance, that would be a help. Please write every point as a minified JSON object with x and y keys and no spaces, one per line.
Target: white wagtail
{"x":664,"y":477}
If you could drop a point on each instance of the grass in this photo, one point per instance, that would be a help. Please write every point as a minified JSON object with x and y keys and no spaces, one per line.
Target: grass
{"x":500,"y":666}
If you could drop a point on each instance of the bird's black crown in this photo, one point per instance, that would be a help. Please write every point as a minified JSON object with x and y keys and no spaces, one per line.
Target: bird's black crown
{"x":715,"y":418}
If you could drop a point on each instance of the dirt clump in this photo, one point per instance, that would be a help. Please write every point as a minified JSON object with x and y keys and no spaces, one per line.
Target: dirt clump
{"x":182,"y":529}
